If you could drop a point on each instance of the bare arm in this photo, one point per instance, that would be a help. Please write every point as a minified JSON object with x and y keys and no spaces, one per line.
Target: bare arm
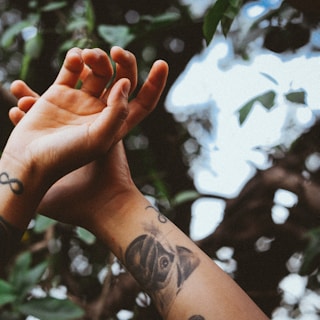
{"x":183,"y":281}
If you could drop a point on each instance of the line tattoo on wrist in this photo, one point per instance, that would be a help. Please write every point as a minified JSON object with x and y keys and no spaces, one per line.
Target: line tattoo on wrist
{"x":161,"y":218}
{"x":15,"y":185}
{"x":159,"y":267}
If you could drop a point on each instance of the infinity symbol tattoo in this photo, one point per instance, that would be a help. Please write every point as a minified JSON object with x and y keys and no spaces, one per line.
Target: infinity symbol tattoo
{"x":15,"y":185}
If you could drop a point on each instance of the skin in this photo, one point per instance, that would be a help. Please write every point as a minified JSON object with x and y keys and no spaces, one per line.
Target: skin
{"x":84,"y":106}
{"x":183,"y":282}
{"x":138,"y":108}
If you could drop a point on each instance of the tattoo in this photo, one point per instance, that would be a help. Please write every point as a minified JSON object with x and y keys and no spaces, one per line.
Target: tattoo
{"x":197,"y":317}
{"x":161,"y":217}
{"x":15,"y":185}
{"x":160,"y":268}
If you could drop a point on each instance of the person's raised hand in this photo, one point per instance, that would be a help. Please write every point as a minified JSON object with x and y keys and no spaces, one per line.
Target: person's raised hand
{"x":126,"y":67}
{"x":67,"y":127}
{"x":77,"y":197}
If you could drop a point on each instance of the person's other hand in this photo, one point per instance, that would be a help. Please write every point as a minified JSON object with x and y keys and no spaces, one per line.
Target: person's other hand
{"x":67,"y":127}
{"x":126,"y":67}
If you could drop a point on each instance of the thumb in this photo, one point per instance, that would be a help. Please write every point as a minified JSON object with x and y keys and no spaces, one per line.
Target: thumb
{"x":106,"y":127}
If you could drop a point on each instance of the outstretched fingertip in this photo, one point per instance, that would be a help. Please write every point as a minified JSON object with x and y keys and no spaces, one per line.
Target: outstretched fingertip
{"x":116,"y":49}
{"x":162,"y":66}
{"x":73,"y":60}
{"x":71,"y":69}
{"x":16,"y":83}
{"x":158,"y":75}
{"x":20,"y":89}
{"x":15,"y":87}
{"x":98,"y":61}
{"x":15,"y":115}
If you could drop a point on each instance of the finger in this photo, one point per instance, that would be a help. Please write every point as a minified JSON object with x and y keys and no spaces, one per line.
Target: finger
{"x":104,"y":130}
{"x":84,"y":73}
{"x":71,"y":69}
{"x":148,"y":96}
{"x":25,"y":103}
{"x":20,"y":89}
{"x":100,"y":71}
{"x":126,"y":66}
{"x":15,"y":115}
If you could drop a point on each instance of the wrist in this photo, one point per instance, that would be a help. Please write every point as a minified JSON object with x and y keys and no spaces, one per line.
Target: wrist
{"x":113,"y":219}
{"x":21,"y":189}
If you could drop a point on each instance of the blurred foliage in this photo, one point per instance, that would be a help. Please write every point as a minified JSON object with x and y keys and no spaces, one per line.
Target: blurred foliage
{"x":267,"y":100}
{"x":222,"y":11}
{"x":22,"y":278}
{"x":35,"y":36}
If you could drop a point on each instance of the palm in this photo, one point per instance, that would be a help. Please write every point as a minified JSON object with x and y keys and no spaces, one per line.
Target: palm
{"x":49,"y":128}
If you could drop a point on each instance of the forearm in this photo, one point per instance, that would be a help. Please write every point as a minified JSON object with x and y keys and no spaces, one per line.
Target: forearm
{"x":183,"y":282}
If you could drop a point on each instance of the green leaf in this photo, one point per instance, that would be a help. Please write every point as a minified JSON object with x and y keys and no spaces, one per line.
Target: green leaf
{"x":31,"y":278}
{"x":19,"y":268}
{"x":235,"y":3}
{"x":297,"y":97}
{"x":269,"y":77}
{"x":23,"y":277}
{"x":35,"y":273}
{"x":10,"y":34}
{"x":86,"y":236}
{"x":229,"y":16}
{"x":25,"y":66}
{"x":33,"y":46}
{"x":7,"y":293}
{"x":312,"y":253}
{"x":230,"y":13}
{"x":162,"y":20}
{"x":77,"y":24}
{"x":90,"y":17}
{"x":213,"y":17}
{"x":224,"y":12}
{"x":245,"y":110}
{"x":266,"y":99}
{"x":116,"y":35}
{"x":158,"y":183}
{"x":68,"y":44}
{"x":185,"y":196}
{"x":52,"y":6}
{"x":51,"y":309}
{"x":42,"y":223}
